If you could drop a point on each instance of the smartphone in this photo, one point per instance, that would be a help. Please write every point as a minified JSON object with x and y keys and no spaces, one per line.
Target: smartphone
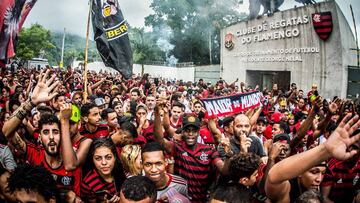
{"x":103,"y":193}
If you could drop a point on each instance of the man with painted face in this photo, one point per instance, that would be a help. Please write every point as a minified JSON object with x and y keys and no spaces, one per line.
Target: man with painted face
{"x":48,"y":155}
{"x":193,"y":161}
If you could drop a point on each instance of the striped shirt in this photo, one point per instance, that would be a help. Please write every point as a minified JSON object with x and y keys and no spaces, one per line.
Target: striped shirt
{"x":342,"y":180}
{"x":93,"y":183}
{"x":101,"y":131}
{"x":195,"y":166}
{"x":176,"y":182}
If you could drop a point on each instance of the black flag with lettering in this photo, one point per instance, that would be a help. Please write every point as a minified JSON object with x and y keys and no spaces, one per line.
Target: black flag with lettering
{"x":111,"y":36}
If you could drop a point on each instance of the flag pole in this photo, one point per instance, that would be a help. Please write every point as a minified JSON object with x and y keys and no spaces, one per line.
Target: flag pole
{"x":85,"y":95}
{"x":356,"y":37}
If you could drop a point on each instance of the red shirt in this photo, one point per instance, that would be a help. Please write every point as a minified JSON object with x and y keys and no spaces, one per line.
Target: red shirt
{"x":101,"y":131}
{"x":206,"y":135}
{"x":342,"y":179}
{"x":195,"y":166}
{"x":93,"y":183}
{"x":148,"y":132}
{"x":66,"y":180}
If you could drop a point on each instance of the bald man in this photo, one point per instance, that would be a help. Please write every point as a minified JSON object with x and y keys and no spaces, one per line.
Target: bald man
{"x":242,"y":129}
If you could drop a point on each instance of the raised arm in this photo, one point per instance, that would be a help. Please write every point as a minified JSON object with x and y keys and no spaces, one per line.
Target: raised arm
{"x":44,"y":91}
{"x":214,"y":130}
{"x":158,"y":130}
{"x":306,"y":125}
{"x":71,"y":158}
{"x":336,"y":146}
{"x":255,"y":116}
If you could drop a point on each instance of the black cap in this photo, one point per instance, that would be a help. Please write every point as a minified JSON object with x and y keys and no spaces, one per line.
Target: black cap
{"x":226,"y":121}
{"x":262,"y":119}
{"x":282,"y":137}
{"x":191,"y":121}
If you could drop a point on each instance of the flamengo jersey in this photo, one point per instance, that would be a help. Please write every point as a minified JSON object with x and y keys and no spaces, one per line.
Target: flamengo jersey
{"x":195,"y":167}
{"x":101,"y":131}
{"x":343,"y":180}
{"x":176,"y":182}
{"x":65,"y":180}
{"x":92,"y":183}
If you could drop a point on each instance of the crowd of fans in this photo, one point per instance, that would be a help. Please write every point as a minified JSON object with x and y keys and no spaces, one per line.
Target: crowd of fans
{"x":147,"y":139}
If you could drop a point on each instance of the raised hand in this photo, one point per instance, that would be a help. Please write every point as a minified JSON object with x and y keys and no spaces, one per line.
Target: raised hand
{"x":65,"y":111}
{"x":225,"y":142}
{"x":275,"y":150}
{"x":44,"y":90}
{"x":341,"y":139}
{"x":245,"y":143}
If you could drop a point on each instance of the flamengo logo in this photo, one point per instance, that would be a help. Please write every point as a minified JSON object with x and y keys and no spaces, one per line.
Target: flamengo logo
{"x":323,"y":24}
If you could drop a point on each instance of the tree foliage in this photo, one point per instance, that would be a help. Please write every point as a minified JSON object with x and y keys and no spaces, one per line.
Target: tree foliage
{"x":195,"y":26}
{"x":32,"y":41}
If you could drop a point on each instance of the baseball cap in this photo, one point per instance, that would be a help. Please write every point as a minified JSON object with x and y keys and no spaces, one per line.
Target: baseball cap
{"x":226,"y":121}
{"x":262,"y":119}
{"x":99,"y":101}
{"x":191,"y":121}
{"x":282,"y":138}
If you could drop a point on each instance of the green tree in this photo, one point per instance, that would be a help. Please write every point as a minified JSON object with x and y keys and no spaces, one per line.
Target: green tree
{"x":32,"y":41}
{"x":195,"y":26}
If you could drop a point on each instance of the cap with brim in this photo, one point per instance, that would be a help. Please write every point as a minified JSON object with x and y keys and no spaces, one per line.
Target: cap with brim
{"x":191,"y":121}
{"x":262,"y":119}
{"x":75,"y":114}
{"x":282,"y":138}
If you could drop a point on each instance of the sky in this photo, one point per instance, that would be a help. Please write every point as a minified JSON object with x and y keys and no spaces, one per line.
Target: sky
{"x":56,"y":15}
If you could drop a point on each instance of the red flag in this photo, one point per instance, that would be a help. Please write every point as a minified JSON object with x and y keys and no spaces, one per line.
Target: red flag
{"x":12,"y":17}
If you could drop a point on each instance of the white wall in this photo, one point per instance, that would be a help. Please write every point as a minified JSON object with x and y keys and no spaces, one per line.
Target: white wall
{"x":186,"y":74}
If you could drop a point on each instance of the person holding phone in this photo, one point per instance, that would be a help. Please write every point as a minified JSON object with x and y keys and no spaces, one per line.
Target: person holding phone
{"x":103,"y":182}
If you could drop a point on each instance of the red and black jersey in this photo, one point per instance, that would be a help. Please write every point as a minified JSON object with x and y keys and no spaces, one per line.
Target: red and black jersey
{"x":342,"y":180}
{"x":195,"y":166}
{"x":76,"y":143}
{"x":101,"y":131}
{"x":178,"y":125}
{"x":148,"y":132}
{"x":66,"y":180}
{"x":93,"y":183}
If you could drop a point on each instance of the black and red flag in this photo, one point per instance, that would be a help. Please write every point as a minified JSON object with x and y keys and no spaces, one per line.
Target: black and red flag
{"x":12,"y":17}
{"x":111,"y":36}
{"x":323,"y":24}
{"x":233,"y":104}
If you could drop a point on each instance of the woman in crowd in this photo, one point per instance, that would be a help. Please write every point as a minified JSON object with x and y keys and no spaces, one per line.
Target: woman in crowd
{"x":131,"y":160}
{"x":103,"y":181}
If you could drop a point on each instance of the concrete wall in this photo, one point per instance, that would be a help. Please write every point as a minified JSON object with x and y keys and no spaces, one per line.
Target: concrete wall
{"x":327,"y":67}
{"x":210,"y":73}
{"x":186,"y":73}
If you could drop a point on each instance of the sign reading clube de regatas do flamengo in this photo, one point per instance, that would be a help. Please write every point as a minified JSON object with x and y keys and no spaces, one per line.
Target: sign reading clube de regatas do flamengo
{"x":310,"y":44}
{"x":222,"y":106}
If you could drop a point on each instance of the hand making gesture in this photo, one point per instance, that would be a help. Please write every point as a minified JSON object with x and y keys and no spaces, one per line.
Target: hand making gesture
{"x":44,"y":90}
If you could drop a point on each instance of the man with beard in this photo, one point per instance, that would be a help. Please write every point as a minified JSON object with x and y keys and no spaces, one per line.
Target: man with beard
{"x":49,"y":126}
{"x":193,"y":161}
{"x":242,"y":129}
{"x":91,"y":117}
{"x":154,"y":163}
